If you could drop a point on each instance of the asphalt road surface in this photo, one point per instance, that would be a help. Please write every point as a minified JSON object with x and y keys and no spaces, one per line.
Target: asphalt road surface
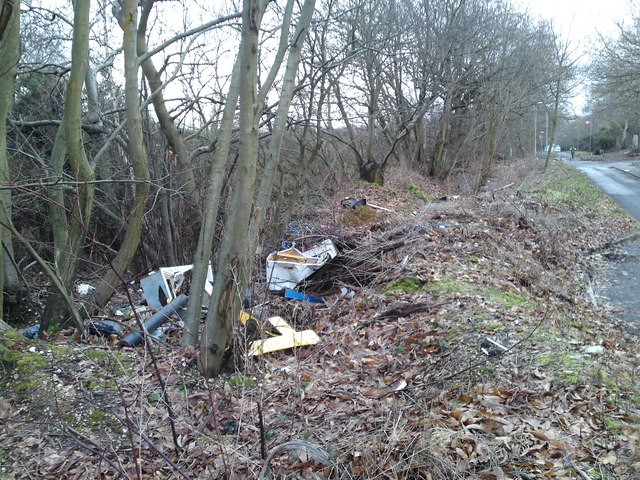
{"x":617,"y":284}
{"x":619,"y":179}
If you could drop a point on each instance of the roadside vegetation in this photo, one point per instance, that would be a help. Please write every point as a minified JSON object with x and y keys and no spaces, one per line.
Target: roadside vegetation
{"x":454,"y":332}
{"x":480,"y":356}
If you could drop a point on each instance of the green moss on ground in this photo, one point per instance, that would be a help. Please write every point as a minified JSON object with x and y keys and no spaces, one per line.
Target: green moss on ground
{"x":358,"y":216}
{"x":241,"y":381}
{"x":492,"y":294}
{"x":405,"y":285}
{"x":417,"y":192}
{"x":39,"y":371}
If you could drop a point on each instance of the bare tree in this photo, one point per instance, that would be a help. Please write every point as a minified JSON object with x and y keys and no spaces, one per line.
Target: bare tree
{"x":9,"y":55}
{"x":137,"y":155}
{"x":70,"y":241}
{"x":563,"y":82}
{"x":233,"y":260}
{"x":232,"y":274}
{"x":615,"y":80}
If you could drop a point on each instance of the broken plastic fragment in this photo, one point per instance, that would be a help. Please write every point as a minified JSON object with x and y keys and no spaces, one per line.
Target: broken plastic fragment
{"x":288,"y":338}
{"x":487,"y":347}
{"x":160,"y":287}
{"x":84,"y":289}
{"x":289,"y":293}
{"x":593,"y":349}
{"x":287,"y":268}
{"x":32,"y":332}
{"x":346,"y":293}
{"x":353,"y":203}
{"x":103,"y":326}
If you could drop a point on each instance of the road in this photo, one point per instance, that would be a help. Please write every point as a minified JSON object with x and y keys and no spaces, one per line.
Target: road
{"x":617,"y":283}
{"x":619,"y":179}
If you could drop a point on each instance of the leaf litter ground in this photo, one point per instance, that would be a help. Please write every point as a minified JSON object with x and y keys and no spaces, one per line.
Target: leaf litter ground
{"x":460,"y":355}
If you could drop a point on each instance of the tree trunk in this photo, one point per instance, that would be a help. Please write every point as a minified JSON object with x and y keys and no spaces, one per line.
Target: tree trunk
{"x":488,"y":152}
{"x":138,"y":157}
{"x":233,"y":270}
{"x":372,"y":172}
{"x":439,"y":167}
{"x":9,"y":55}
{"x":279,"y":126}
{"x":202,"y":255}
{"x":417,"y":158}
{"x":56,"y":310}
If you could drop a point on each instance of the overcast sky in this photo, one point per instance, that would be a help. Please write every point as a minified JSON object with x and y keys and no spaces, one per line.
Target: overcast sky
{"x":581,"y":19}
{"x":581,"y":22}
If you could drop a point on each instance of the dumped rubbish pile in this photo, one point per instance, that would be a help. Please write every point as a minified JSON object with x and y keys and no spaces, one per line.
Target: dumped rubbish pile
{"x":454,"y":343}
{"x":287,"y":268}
{"x":166,"y":293}
{"x":308,"y":261}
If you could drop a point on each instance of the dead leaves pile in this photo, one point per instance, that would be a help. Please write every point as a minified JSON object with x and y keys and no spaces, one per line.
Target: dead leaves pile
{"x":399,"y":386}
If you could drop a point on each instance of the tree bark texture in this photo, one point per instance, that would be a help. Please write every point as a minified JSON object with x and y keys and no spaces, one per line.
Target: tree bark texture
{"x":138,"y":157}
{"x":202,"y":255}
{"x":56,"y":309}
{"x":9,"y":55}
{"x":232,"y":275}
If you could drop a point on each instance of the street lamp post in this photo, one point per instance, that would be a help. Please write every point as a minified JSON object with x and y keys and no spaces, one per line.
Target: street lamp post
{"x":546,"y":128}
{"x":590,"y":129}
{"x":535,"y":129}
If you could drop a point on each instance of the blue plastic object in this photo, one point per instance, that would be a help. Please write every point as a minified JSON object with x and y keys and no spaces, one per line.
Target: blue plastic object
{"x":32,"y":331}
{"x":295,"y":231}
{"x":289,"y":293}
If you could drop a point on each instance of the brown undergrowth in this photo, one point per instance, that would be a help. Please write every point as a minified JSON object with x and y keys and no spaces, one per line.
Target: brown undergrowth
{"x":460,"y":355}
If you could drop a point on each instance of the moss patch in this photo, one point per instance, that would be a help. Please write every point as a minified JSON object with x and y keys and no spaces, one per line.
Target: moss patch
{"x":99,"y":420}
{"x":417,"y":192}
{"x":492,"y":294}
{"x":39,"y":372}
{"x":448,"y":284}
{"x":361,"y":215}
{"x":241,"y":381}
{"x":406,"y":285}
{"x":5,"y":464}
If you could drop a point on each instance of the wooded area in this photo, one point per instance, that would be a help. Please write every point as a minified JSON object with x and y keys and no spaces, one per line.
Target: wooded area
{"x":140,"y":134}
{"x":135,"y":138}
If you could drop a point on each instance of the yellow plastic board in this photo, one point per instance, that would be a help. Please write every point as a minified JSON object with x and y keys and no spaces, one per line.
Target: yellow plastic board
{"x":289,"y":337}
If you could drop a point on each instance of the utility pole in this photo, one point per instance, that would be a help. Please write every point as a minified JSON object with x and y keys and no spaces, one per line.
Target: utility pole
{"x":535,"y":129}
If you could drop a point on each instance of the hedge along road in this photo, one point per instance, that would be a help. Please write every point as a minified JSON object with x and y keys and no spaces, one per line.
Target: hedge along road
{"x":618,"y":283}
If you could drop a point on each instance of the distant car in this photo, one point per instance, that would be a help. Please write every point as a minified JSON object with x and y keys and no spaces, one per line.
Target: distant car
{"x":556,"y":148}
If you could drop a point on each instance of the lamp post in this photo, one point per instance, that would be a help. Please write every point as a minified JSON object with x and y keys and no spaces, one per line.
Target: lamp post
{"x":535,"y":129}
{"x":590,"y":129}
{"x":546,"y":128}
